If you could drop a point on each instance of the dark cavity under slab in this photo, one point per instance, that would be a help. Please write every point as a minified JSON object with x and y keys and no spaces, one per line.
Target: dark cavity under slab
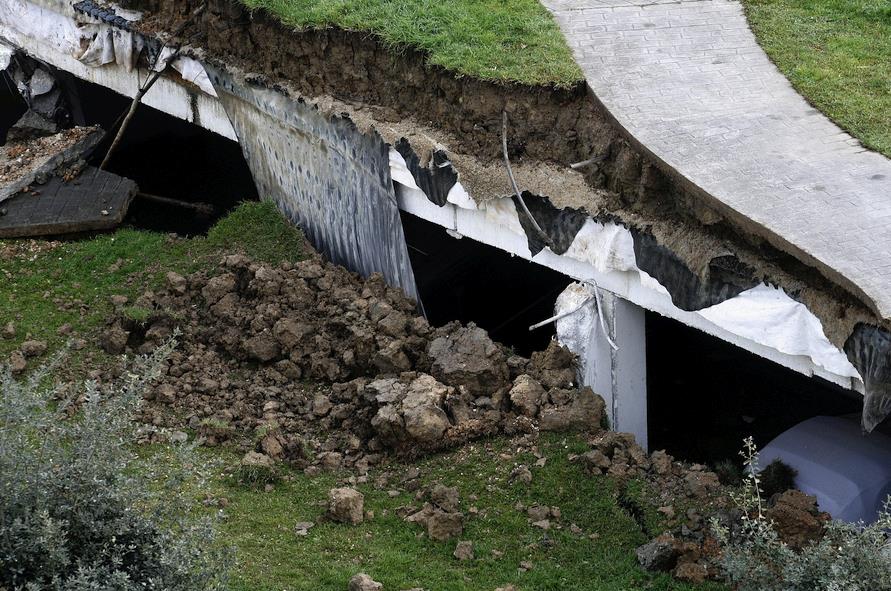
{"x":706,"y":395}
{"x":465,"y":280}
{"x":95,"y":200}
{"x":169,"y":157}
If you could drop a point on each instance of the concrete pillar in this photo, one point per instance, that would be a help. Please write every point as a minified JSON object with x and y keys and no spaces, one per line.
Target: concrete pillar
{"x":619,"y":376}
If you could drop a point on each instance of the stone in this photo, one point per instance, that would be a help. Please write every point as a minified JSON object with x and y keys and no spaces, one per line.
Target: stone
{"x":254,"y":459}
{"x":114,"y":340}
{"x":796,"y":518}
{"x":218,"y":286}
{"x":527,"y":395}
{"x":17,"y":362}
{"x":176,"y":282}
{"x":178,"y":437}
{"x":291,"y":333}
{"x":659,"y":554}
{"x":464,"y":551}
{"x":263,"y":347}
{"x":543,"y":524}
{"x":445,"y":497}
{"x":33,"y":348}
{"x":691,"y":572}
{"x":330,"y":460}
{"x":596,"y":461}
{"x":301,"y":528}
{"x":271,"y":446}
{"x":442,"y":525}
{"x":321,"y":405}
{"x":585,"y":413}
{"x":661,"y":462}
{"x":346,"y":505}
{"x":521,"y":474}
{"x":119,"y":300}
{"x":9,"y":330}
{"x":425,"y":419}
{"x":468,"y":357}
{"x":700,"y":484}
{"x":538,"y":512}
{"x":362,"y":582}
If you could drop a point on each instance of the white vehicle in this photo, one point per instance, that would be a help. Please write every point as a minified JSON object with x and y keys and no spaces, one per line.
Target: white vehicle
{"x":848,"y":471}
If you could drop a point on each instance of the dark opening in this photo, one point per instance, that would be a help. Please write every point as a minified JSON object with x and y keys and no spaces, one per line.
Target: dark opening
{"x":706,"y":395}
{"x":169,"y":157}
{"x":461,"y":279}
{"x":12,"y":105}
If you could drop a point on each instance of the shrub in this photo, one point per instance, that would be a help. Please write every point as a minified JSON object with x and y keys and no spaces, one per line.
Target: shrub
{"x":777,"y":477}
{"x":849,"y":557}
{"x":78,"y":509}
{"x":728,"y":472}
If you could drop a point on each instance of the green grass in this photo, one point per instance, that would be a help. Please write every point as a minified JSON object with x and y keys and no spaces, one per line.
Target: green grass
{"x":271,"y":557}
{"x":837,"y":53}
{"x":73,"y":282}
{"x":502,"y":40}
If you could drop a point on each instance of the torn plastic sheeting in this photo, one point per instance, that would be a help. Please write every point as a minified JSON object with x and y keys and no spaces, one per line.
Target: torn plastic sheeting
{"x":606,"y":247}
{"x":768,"y":316}
{"x":192,"y":71}
{"x":110,"y":45}
{"x":869,"y":349}
{"x":576,"y":331}
{"x":5,"y":56}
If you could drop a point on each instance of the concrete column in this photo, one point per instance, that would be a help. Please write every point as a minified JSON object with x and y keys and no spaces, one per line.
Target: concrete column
{"x":619,"y":376}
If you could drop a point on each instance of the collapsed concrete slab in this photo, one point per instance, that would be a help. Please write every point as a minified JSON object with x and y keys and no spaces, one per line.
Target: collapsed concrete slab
{"x":644,"y":255}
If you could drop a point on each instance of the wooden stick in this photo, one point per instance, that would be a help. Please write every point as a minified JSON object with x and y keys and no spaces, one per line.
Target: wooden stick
{"x":204,"y":208}
{"x":150,"y":81}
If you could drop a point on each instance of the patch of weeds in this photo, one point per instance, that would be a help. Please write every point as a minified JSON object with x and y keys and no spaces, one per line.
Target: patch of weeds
{"x":137,"y":314}
{"x":256,"y":474}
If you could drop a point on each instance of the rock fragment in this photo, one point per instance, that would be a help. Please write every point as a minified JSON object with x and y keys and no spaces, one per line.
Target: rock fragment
{"x":346,"y":505}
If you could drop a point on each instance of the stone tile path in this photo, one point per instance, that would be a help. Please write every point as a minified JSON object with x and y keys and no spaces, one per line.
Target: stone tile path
{"x":689,"y":82}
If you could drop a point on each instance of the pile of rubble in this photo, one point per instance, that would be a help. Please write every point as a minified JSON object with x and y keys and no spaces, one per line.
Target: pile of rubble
{"x":309,"y":363}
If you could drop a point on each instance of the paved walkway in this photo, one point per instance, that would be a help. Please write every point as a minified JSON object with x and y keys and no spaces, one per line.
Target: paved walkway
{"x":689,"y":82}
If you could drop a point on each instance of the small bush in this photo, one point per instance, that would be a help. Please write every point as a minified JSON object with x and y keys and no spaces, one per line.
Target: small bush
{"x":729,"y":473}
{"x":777,"y":477}
{"x":849,"y":557}
{"x":78,"y":510}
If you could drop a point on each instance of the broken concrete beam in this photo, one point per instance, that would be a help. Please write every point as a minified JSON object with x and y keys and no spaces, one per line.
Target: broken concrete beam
{"x":95,"y":200}
{"x":25,"y":163}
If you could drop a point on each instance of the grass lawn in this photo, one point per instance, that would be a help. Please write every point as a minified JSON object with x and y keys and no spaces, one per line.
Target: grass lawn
{"x":269,"y":556}
{"x":503,"y":40}
{"x":37,"y":291}
{"x":837,"y":53}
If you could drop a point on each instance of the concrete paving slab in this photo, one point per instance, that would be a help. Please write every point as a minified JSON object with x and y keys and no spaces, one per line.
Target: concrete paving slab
{"x":688,"y":82}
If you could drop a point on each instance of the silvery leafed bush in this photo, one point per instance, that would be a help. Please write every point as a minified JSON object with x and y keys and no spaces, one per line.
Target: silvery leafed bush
{"x":78,"y":509}
{"x":848,"y":557}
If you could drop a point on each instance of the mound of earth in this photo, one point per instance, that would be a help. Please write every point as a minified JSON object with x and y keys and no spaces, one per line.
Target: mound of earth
{"x":310,"y":363}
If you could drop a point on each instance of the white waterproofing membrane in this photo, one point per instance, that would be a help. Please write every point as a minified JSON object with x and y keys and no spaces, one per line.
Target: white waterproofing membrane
{"x":94,"y":44}
{"x":764,"y":315}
